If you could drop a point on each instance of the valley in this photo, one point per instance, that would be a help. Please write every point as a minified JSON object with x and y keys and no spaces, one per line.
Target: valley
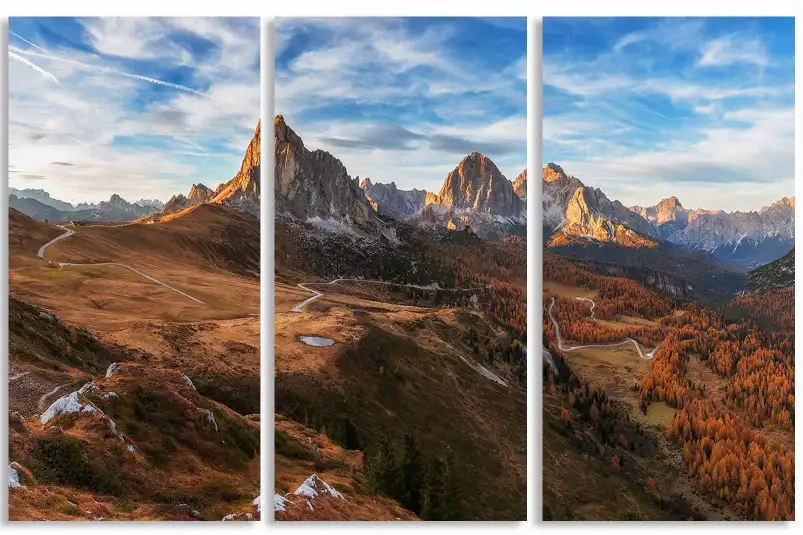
{"x":679,"y":408}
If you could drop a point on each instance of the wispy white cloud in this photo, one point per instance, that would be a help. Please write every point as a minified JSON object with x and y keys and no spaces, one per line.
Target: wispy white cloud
{"x":734,"y":48}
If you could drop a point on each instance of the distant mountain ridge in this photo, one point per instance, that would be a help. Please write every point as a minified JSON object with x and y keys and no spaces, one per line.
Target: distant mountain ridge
{"x":747,"y":239}
{"x":115,"y":209}
{"x":391,"y":201}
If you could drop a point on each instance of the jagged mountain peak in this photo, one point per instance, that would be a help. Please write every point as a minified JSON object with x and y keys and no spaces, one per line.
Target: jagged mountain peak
{"x":553,"y":172}
{"x":315,"y":184}
{"x":366,"y":183}
{"x":478,"y":184}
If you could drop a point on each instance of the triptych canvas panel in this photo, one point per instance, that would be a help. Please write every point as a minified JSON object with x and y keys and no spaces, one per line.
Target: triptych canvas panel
{"x":662,"y":236}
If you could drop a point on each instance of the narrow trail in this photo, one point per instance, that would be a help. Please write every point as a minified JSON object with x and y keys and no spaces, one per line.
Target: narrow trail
{"x":18,"y":376}
{"x":41,"y":403}
{"x":626,"y":341}
{"x":69,"y":233}
{"x":318,"y":294}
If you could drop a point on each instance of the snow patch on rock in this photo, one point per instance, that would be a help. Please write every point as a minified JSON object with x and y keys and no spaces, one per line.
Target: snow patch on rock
{"x":189,"y":382}
{"x":13,"y":478}
{"x":112,"y":369}
{"x":279,"y":503}
{"x":485,"y":372}
{"x":314,"y":486}
{"x":66,"y":405}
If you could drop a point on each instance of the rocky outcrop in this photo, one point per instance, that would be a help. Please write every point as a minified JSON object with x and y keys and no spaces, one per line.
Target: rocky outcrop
{"x":199,"y":194}
{"x":315,"y":185}
{"x":242,"y":191}
{"x":577,"y":212}
{"x":388,"y":200}
{"x":520,"y":185}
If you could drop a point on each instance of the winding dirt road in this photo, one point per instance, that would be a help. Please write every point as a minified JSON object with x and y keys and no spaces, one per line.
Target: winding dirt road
{"x":626,"y":341}
{"x":318,"y":294}
{"x":69,"y":233}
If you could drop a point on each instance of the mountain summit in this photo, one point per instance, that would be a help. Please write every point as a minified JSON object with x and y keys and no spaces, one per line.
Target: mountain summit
{"x":578,"y":212}
{"x":477,"y":184}
{"x":315,"y":184}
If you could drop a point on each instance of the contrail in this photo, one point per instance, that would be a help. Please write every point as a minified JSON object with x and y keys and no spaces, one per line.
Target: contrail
{"x":77,"y":141}
{"x":18,"y":36}
{"x":190,"y":142}
{"x":37,"y":68}
{"x":111,"y":71}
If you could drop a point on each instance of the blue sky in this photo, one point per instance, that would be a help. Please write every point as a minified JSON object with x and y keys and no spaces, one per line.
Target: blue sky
{"x":647,"y":108}
{"x":141,"y":107}
{"x":405,"y":99}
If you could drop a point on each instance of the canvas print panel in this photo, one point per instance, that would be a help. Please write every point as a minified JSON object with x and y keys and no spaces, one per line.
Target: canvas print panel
{"x":668,"y":277}
{"x":400,"y":178}
{"x":134,"y":269}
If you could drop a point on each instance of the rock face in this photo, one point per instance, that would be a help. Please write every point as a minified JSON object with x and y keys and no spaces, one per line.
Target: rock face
{"x":477,"y":184}
{"x":576,"y":212}
{"x":242,"y":191}
{"x":475,"y":195}
{"x":315,"y":185}
{"x":390,"y":201}
{"x":746,"y":239}
{"x":520,"y":185}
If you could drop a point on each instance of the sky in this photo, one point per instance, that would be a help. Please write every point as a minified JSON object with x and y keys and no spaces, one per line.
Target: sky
{"x":648,"y":108}
{"x":405,"y":99}
{"x":140,"y":107}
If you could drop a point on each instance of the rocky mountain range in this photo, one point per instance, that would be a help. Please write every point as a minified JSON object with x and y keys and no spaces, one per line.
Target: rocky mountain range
{"x":574,"y":213}
{"x":746,"y":239}
{"x":315,"y":186}
{"x":476,"y":195}
{"x":43,"y":197}
{"x":115,"y":209}
{"x":241,"y":192}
